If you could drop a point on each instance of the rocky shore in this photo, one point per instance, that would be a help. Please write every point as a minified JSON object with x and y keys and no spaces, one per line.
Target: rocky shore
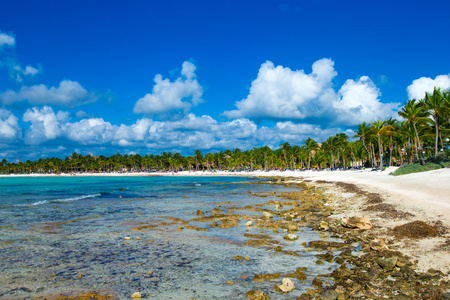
{"x":380,"y":251}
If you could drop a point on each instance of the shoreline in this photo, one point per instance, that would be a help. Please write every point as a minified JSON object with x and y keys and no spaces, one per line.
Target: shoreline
{"x":385,"y":200}
{"x":426,"y":193}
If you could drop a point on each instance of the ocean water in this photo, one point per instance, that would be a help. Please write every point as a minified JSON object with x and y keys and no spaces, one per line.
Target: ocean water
{"x":66,"y":234}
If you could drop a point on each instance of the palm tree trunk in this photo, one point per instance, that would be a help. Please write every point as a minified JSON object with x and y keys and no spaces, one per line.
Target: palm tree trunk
{"x":380,"y":150}
{"x":419,"y":145}
{"x":437,"y":136}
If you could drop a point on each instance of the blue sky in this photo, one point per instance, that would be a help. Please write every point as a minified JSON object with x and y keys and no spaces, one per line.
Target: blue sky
{"x":150,"y":76}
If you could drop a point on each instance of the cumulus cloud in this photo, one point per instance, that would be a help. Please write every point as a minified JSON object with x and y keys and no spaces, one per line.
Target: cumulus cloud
{"x":358,"y":102}
{"x":68,"y":94}
{"x":420,"y":86}
{"x":7,"y":40}
{"x":45,"y":124}
{"x":279,"y":93}
{"x":90,"y":131}
{"x":175,"y":97}
{"x":9,"y":126}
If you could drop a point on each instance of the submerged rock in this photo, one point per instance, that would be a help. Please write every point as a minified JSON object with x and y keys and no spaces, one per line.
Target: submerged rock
{"x":286,"y":286}
{"x":216,"y":211}
{"x":328,"y":295}
{"x":257,"y":295}
{"x":323,"y":226}
{"x":266,"y":214}
{"x":290,"y":237}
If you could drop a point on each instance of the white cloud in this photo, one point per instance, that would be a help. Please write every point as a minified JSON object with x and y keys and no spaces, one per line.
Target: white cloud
{"x":417,"y":89}
{"x":81,"y":114}
{"x":359,"y":102}
{"x":9,"y":126}
{"x":90,"y":131}
{"x":17,"y":72}
{"x":45,"y":124}
{"x":68,"y":94}
{"x":175,"y":97}
{"x":135,"y":132}
{"x":29,"y":70}
{"x":7,"y":39}
{"x":279,"y":93}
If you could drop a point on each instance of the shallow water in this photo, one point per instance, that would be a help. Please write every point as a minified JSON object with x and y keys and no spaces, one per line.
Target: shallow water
{"x":68,"y":233}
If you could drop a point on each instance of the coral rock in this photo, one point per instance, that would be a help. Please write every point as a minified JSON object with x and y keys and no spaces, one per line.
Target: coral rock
{"x":356,"y":222}
{"x":286,"y":286}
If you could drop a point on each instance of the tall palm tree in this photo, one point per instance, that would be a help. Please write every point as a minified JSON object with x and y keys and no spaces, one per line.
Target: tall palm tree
{"x":414,"y":113}
{"x":198,"y":157}
{"x":285,"y":147}
{"x":363,"y":133}
{"x":331,"y":144}
{"x":434,"y":104}
{"x":391,"y":132}
{"x":311,"y":145}
{"x":380,"y":128}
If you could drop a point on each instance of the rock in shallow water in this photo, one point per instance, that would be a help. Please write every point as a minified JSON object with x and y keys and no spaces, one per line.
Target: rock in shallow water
{"x":286,"y":286}
{"x":266,"y":214}
{"x":257,"y":295}
{"x":290,"y":237}
{"x":328,"y":295}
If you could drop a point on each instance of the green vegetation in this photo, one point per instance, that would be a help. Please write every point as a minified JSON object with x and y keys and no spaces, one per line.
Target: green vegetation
{"x":422,"y":137}
{"x":431,"y":163}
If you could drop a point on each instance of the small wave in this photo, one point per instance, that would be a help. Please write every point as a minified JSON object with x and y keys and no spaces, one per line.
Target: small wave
{"x":59,"y":200}
{"x":34,"y":203}
{"x":77,"y":198}
{"x":197,"y":184}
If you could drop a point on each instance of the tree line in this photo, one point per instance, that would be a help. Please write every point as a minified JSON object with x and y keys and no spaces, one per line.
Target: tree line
{"x":423,"y":133}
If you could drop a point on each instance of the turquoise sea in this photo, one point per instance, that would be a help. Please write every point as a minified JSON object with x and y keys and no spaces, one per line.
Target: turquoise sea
{"x":63,"y":234}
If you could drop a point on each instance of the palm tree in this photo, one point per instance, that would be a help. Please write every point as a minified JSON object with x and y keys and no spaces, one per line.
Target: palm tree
{"x":363,"y":133}
{"x":414,"y":113}
{"x":285,"y":147}
{"x":380,"y":128}
{"x":198,"y":157}
{"x":393,"y":129}
{"x":331,"y":144}
{"x":311,"y":145}
{"x":434,"y":104}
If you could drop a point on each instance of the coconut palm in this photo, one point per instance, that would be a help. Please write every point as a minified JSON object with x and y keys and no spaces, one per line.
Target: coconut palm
{"x":331,"y":144}
{"x":311,"y":145}
{"x":394,"y":126}
{"x":414,"y":113}
{"x":363,"y":133}
{"x":434,"y":104}
{"x":380,"y":128}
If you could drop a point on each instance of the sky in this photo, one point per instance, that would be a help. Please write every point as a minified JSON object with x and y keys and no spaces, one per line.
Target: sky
{"x":101,"y":77}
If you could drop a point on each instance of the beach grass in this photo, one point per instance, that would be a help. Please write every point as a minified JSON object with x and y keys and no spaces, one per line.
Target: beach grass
{"x":432,"y":163}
